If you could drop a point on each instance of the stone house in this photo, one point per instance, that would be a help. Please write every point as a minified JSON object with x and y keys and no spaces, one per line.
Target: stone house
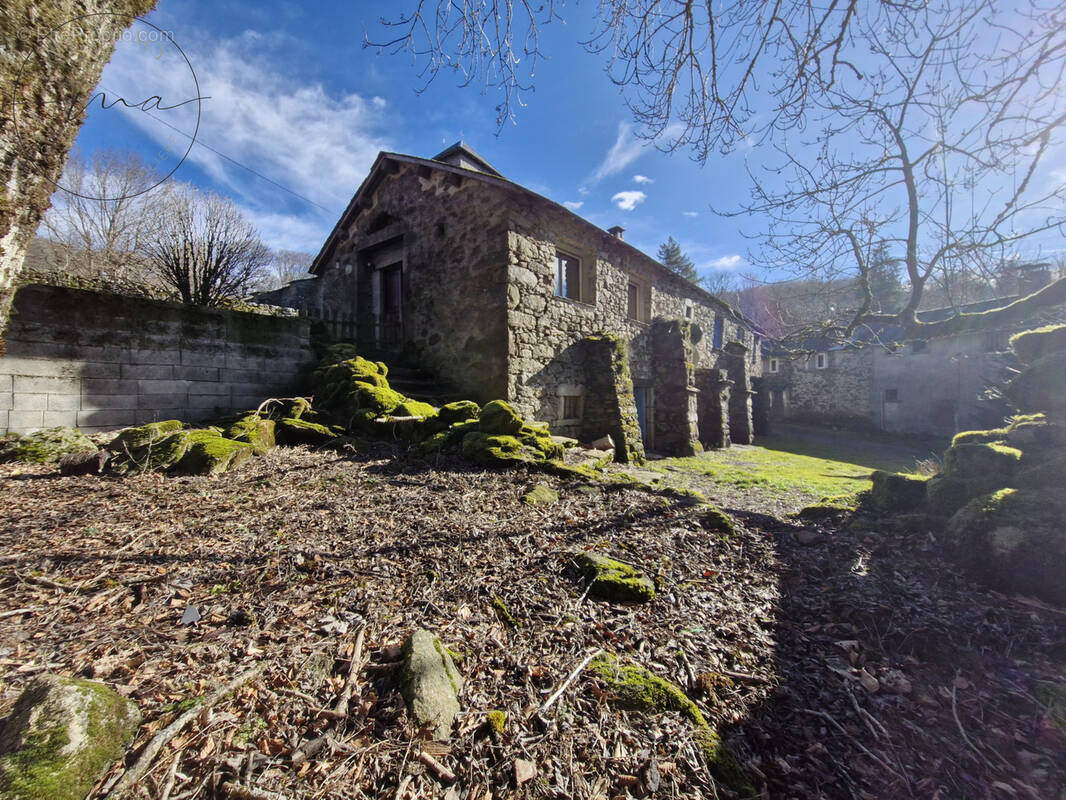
{"x":501,"y":293}
{"x":882,"y":381}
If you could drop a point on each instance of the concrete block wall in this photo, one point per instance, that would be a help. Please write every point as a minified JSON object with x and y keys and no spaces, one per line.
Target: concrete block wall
{"x":101,"y":361}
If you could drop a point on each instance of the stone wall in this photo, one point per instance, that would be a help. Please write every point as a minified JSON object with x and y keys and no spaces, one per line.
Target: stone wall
{"x":100,"y":361}
{"x":837,"y":394}
{"x":609,"y":405}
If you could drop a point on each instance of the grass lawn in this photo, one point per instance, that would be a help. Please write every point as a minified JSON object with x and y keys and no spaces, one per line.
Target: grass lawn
{"x":797,"y":462}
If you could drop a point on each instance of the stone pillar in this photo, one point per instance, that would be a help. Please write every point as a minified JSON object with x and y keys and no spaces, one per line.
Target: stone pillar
{"x":741,"y":427}
{"x":676,"y":418}
{"x":609,"y":403}
{"x":714,"y":385}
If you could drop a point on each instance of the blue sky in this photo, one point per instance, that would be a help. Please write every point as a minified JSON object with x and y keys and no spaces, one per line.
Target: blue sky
{"x":293,"y":94}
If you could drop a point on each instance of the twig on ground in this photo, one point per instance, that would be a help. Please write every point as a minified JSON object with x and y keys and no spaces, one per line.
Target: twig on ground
{"x":140,"y":766}
{"x":566,"y":684}
{"x":437,"y":768}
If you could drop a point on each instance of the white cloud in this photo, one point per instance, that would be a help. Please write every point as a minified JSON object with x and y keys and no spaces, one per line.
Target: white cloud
{"x":727,"y":262}
{"x":627,"y":201}
{"x":379,"y":102}
{"x":573,"y":205}
{"x":643,"y":179}
{"x":690,"y":213}
{"x":317,"y":144}
{"x":623,"y":152}
{"x":584,"y":191}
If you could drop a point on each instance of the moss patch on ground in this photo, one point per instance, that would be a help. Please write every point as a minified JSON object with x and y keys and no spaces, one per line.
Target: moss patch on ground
{"x":48,"y":445}
{"x":614,"y":580}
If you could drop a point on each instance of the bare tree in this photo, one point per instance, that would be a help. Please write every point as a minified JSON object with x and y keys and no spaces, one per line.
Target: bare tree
{"x":285,"y":267}
{"x":936,"y":156}
{"x":204,"y":249}
{"x":104,"y":215}
{"x":916,"y":129}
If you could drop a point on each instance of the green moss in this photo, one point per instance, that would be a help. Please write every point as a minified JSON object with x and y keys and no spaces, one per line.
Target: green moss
{"x":637,"y":688}
{"x":1042,"y":386}
{"x":1052,"y":695}
{"x":541,"y":495}
{"x":294,"y":432}
{"x":945,"y":495}
{"x":157,"y":455}
{"x":614,"y":580}
{"x":490,"y":450}
{"x":979,"y":437}
{"x":252,"y":430}
{"x":893,"y":491}
{"x":715,"y":519}
{"x":210,"y":453}
{"x":133,"y":438}
{"x":721,"y":762}
{"x":41,"y":766}
{"x":505,"y":612}
{"x":988,"y":460}
{"x":459,"y":411}
{"x":414,"y":408}
{"x":377,"y":399}
{"x":499,"y":418}
{"x":497,"y":721}
{"x":1032,"y":344}
{"x":49,"y":444}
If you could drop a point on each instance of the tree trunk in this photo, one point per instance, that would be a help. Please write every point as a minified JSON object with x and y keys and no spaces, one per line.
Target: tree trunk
{"x":51,"y":57}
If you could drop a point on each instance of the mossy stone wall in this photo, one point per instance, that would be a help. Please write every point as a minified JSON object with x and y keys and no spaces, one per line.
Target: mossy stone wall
{"x":609,"y":403}
{"x":676,"y":412}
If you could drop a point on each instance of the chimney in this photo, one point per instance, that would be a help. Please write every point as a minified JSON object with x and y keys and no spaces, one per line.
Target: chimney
{"x":617,"y":232}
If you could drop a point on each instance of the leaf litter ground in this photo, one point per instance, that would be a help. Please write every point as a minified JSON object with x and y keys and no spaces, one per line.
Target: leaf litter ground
{"x":837,"y":662}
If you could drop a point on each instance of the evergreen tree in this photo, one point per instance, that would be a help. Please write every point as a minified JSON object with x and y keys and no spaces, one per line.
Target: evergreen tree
{"x":672,"y":256}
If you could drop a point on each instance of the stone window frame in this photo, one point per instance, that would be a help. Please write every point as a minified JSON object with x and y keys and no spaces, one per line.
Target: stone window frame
{"x":773,"y":366}
{"x":574,"y":394}
{"x":586,"y":268}
{"x":891,"y":395}
{"x":643,"y":304}
{"x":821,"y":360}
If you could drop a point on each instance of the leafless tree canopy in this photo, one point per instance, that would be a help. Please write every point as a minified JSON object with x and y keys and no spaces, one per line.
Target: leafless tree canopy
{"x":103,"y":216}
{"x":285,"y":266}
{"x":204,"y":249}
{"x":917,"y":129}
{"x":938,"y":156}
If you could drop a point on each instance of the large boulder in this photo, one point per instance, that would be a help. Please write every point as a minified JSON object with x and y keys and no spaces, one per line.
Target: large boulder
{"x":1014,"y":540}
{"x":61,"y":736}
{"x":1031,"y":345}
{"x":1041,"y":386}
{"x":893,"y":491}
{"x":430,"y":683}
{"x":252,"y":429}
{"x":294,"y":432}
{"x":210,"y":453}
{"x":155,"y":455}
{"x":131,"y":439}
{"x":47,"y":445}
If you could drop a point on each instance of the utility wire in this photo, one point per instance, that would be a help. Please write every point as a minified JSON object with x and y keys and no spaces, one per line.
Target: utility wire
{"x":235,"y":161}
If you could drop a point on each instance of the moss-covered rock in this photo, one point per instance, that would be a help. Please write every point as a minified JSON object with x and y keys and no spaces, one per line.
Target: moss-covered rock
{"x":541,"y":495}
{"x":1031,"y":345}
{"x":155,"y":456}
{"x":459,"y":411}
{"x":254,"y":430}
{"x":293,"y":432}
{"x":60,"y":738}
{"x":285,"y":408}
{"x":992,"y":463}
{"x":945,"y":495}
{"x":635,"y":687}
{"x":430,"y":683}
{"x":1049,"y":474}
{"x":893,"y":491}
{"x":498,"y":451}
{"x":713,"y":518}
{"x":135,"y":438}
{"x":48,"y":445}
{"x":414,"y":408}
{"x":1041,"y":386}
{"x":614,"y":580}
{"x":1052,"y":695}
{"x":500,"y":419}
{"x":210,"y":453}
{"x":1014,"y":540}
{"x":979,"y":437}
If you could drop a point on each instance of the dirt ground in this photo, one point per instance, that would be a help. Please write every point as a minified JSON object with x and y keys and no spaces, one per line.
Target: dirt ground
{"x":844,"y":662}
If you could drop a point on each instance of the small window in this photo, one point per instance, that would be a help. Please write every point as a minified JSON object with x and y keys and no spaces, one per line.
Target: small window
{"x":571,"y":406}
{"x":688,"y":310}
{"x":891,"y":395}
{"x":719,"y":332}
{"x":567,"y":276}
{"x":773,"y":365}
{"x":919,"y":346}
{"x":820,"y":361}
{"x":633,"y":301}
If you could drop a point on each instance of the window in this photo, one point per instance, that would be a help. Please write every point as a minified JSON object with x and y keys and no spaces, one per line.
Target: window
{"x":919,"y":346}
{"x":633,"y":301}
{"x":773,"y":365}
{"x":567,"y":276}
{"x":688,"y":310}
{"x":571,"y":406}
{"x":891,"y":395}
{"x":820,"y":361}
{"x":719,"y":332}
